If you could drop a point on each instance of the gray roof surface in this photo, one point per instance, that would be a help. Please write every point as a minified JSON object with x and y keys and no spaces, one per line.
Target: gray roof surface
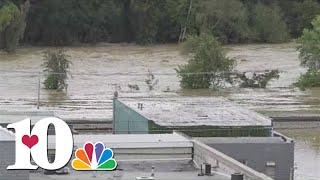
{"x":168,"y":170}
{"x":6,"y":135}
{"x":196,"y":111}
{"x":129,"y":140}
{"x":241,"y":140}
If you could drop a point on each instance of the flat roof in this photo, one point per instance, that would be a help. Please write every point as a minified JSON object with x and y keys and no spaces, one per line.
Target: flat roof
{"x":241,"y":140}
{"x":129,"y":140}
{"x":169,"y":170}
{"x":6,"y":135}
{"x":196,"y":111}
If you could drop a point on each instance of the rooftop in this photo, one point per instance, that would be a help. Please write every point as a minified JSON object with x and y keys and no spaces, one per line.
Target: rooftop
{"x":173,"y":156}
{"x":169,"y":170}
{"x":136,"y":154}
{"x":196,"y":111}
{"x":6,"y":135}
{"x":130,"y":140}
{"x":242,"y":140}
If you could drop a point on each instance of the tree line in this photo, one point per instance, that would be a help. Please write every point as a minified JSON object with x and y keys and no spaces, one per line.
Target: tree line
{"x":61,"y":22}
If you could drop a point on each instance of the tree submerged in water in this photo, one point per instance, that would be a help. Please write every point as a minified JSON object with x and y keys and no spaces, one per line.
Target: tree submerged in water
{"x":208,"y":63}
{"x":151,"y":80}
{"x":56,"y":66}
{"x":209,"y":67}
{"x":310,"y":56}
{"x":257,"y":79}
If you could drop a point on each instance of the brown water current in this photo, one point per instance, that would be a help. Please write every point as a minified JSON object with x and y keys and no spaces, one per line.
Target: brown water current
{"x":97,"y":71}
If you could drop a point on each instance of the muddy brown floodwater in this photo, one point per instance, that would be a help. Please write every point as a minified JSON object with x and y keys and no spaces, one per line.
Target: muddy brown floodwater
{"x":307,"y":152}
{"x":97,"y":71}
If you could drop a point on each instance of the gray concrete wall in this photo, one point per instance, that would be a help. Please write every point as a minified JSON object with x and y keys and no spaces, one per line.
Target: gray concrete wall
{"x":223,"y":163}
{"x":256,"y":155}
{"x":7,"y":157}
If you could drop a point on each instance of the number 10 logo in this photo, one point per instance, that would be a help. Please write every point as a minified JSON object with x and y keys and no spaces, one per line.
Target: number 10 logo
{"x":35,"y":143}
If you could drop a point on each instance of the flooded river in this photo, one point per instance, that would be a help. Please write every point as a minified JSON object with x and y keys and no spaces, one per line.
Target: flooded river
{"x":97,"y":71}
{"x":307,"y":152}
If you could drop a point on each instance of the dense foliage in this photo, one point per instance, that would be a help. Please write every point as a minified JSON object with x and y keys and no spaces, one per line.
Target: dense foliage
{"x":56,"y":65}
{"x":299,"y":14}
{"x":268,"y":24}
{"x":310,"y":46}
{"x":99,"y":20}
{"x":227,"y":20}
{"x":12,"y":24}
{"x":207,"y":66}
{"x":59,"y":22}
{"x":310,"y":55}
{"x":308,"y":80}
{"x":7,"y":13}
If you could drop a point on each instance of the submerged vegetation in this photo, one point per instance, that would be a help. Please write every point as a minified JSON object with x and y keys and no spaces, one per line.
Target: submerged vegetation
{"x":151,"y":81}
{"x":310,"y":79}
{"x":207,"y":66}
{"x":56,"y":65}
{"x":257,"y":79}
{"x":60,"y":23}
{"x":310,"y":56}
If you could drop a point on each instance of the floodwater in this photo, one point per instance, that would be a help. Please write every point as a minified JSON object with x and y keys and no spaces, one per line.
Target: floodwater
{"x":307,"y":152}
{"x":97,"y":71}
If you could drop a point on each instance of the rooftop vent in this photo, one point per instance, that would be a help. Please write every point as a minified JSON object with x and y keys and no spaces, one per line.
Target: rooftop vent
{"x":207,"y":170}
{"x":140,"y":106}
{"x":237,"y":176}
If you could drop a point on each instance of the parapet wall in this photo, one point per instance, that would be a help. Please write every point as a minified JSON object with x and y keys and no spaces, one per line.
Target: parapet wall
{"x":203,"y":153}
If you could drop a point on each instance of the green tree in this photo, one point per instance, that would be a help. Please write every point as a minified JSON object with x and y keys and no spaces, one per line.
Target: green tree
{"x":143,"y":21}
{"x":310,"y":55}
{"x":62,"y":22}
{"x":145,"y":18}
{"x":158,"y":20}
{"x":299,"y":14}
{"x":12,"y":24}
{"x":56,"y":65}
{"x":7,"y":13}
{"x":207,"y":56}
{"x":59,"y":22}
{"x":269,"y":25}
{"x":310,"y":46}
{"x":308,"y":10}
{"x":226,"y":20}
{"x":174,"y":18}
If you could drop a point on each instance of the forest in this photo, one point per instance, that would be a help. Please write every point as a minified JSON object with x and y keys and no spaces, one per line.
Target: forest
{"x":70,"y":22}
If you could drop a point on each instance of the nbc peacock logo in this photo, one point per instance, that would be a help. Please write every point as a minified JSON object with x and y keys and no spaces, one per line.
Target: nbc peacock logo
{"x":94,"y":157}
